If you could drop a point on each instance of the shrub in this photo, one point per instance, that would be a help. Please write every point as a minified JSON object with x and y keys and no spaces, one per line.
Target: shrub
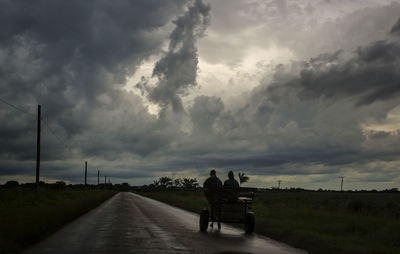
{"x":11,"y":184}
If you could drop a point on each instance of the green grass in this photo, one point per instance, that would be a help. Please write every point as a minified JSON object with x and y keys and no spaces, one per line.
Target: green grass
{"x":319,"y":222}
{"x":29,"y":215}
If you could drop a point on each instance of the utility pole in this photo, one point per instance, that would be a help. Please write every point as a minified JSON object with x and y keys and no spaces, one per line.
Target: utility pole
{"x":279,"y":184}
{"x":85,"y":173}
{"x":98,"y":177}
{"x":105,"y":180}
{"x":341,"y":184}
{"x":38,"y":147}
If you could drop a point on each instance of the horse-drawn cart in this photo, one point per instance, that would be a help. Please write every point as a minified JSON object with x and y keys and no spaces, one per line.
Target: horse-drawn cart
{"x":230,"y":206}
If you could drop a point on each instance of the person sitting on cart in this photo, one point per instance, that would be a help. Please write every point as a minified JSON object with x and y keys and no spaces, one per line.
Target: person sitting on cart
{"x":231,"y":186}
{"x":212,"y":186}
{"x":231,"y":182}
{"x":213,"y":189}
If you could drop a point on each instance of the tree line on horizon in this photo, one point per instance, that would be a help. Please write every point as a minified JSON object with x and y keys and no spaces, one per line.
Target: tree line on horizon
{"x":165,"y":182}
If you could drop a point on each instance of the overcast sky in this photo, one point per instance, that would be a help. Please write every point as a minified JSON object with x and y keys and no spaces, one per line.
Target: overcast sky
{"x":301,"y":91}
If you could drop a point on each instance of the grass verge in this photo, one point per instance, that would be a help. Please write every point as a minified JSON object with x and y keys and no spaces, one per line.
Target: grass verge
{"x":29,"y":215}
{"x":319,"y":222}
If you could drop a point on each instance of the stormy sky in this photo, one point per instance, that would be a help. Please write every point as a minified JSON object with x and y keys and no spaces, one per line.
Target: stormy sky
{"x":301,"y":91}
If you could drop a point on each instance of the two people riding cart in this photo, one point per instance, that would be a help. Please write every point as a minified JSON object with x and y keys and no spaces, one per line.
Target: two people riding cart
{"x":227,"y":203}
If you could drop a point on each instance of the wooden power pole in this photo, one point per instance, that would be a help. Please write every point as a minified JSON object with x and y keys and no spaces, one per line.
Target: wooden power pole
{"x":38,"y":147}
{"x":85,"y":173}
{"x":98,"y":177}
{"x":341,"y":183}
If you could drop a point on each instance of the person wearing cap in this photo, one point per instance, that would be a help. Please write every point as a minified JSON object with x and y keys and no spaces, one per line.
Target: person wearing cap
{"x":212,"y":182}
{"x":212,"y":185}
{"x":212,"y":189}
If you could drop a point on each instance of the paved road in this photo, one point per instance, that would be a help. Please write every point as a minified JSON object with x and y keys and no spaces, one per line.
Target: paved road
{"x":129,"y":223}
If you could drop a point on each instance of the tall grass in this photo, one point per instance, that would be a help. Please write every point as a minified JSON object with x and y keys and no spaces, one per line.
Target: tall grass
{"x":319,"y":222}
{"x":28,"y":215}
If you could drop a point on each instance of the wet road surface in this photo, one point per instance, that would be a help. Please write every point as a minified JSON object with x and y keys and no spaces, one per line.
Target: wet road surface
{"x":129,"y":223}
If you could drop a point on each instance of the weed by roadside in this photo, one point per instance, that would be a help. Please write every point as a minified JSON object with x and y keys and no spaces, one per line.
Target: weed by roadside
{"x":319,"y":222}
{"x":28,"y":215}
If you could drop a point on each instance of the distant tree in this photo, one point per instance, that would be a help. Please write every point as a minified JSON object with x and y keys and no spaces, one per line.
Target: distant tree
{"x":60,"y":183}
{"x":190,"y":183}
{"x":164,"y":181}
{"x":11,"y":184}
{"x":178,"y":182}
{"x":243,"y":178}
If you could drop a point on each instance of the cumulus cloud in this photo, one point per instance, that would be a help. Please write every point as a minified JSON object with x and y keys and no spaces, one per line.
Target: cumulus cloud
{"x":73,"y":58}
{"x":177,"y":70}
{"x":204,"y":112}
{"x":307,"y":27}
{"x":305,"y":118}
{"x":315,"y":115}
{"x":372,"y":73}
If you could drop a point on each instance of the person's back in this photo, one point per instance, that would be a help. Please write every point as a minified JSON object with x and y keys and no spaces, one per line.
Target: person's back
{"x":231,"y":183}
{"x":231,"y":187}
{"x":212,"y":186}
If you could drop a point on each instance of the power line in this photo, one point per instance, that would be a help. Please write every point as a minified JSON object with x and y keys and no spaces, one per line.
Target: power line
{"x":61,"y":140}
{"x":54,"y":134}
{"x":15,"y":107}
{"x":47,"y":125}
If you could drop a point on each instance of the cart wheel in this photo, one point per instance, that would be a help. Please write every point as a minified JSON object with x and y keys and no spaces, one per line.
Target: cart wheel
{"x":204,"y":217}
{"x":249,"y":223}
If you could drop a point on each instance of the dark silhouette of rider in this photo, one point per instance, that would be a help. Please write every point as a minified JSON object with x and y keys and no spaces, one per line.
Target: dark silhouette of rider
{"x":231,"y":188}
{"x":212,"y":185}
{"x":212,"y":188}
{"x":231,"y":182}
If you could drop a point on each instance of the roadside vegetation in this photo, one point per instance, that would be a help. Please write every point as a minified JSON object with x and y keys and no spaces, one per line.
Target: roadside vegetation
{"x":317,"y":221}
{"x":166,"y":182}
{"x":29,"y":214}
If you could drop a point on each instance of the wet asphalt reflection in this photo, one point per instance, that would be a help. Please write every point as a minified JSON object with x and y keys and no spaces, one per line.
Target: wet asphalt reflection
{"x":129,"y":223}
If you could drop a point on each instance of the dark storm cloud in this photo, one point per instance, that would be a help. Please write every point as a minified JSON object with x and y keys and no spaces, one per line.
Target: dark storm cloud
{"x":74,"y":173}
{"x":73,"y":57}
{"x":310,"y":114}
{"x":372,"y":74}
{"x":305,"y":27}
{"x":177,"y":70}
{"x":204,"y":112}
{"x":396,"y":28}
{"x":9,"y":167}
{"x":90,"y":43}
{"x":316,"y":114}
{"x":269,"y":157}
{"x":55,"y":43}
